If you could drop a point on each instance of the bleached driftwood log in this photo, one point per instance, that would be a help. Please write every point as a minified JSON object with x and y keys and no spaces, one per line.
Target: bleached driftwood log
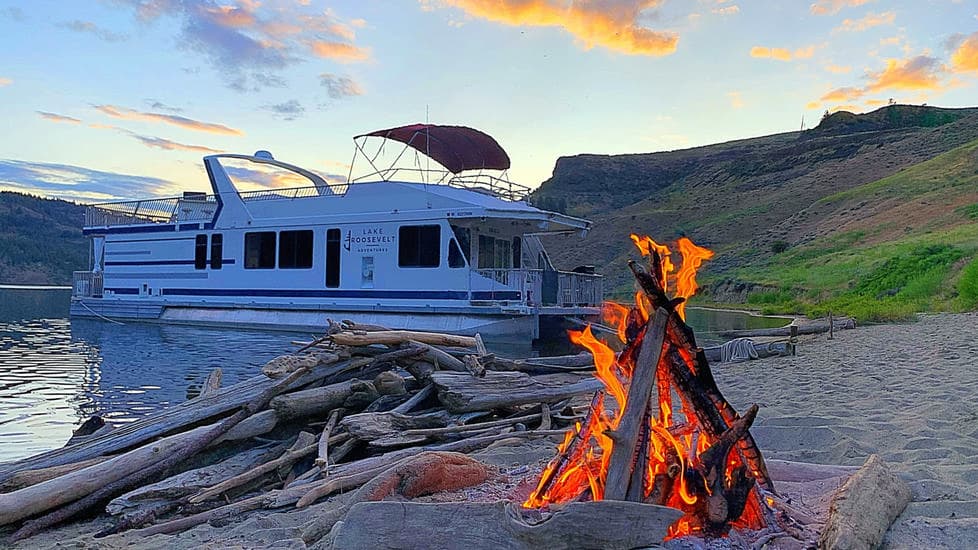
{"x":27,"y":478}
{"x":465,"y":393}
{"x":864,"y":508}
{"x":212,"y":383}
{"x":166,"y":421}
{"x":397,"y":337}
{"x":814,"y":326}
{"x":502,"y":526}
{"x":312,"y":401}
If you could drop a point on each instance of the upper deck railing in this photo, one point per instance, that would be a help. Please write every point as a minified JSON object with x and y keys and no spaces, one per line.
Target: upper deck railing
{"x":479,"y":182}
{"x":168,"y":210}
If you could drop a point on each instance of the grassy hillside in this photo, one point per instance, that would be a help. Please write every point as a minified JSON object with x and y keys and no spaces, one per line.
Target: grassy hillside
{"x":41,"y":240}
{"x":786,"y":213}
{"x":885,"y":249}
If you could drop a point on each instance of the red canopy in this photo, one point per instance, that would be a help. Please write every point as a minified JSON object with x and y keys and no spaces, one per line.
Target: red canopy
{"x":457,"y":148}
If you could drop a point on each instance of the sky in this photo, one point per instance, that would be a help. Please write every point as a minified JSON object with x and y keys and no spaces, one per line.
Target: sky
{"x":114,"y":99}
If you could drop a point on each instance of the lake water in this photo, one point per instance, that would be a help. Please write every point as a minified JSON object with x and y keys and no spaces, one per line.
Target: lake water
{"x":54,"y":373}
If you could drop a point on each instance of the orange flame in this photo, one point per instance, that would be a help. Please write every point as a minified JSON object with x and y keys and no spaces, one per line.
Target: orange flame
{"x":693,"y":257}
{"x":584,"y":454}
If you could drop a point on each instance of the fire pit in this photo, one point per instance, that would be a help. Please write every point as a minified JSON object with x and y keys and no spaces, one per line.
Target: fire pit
{"x":661,"y":432}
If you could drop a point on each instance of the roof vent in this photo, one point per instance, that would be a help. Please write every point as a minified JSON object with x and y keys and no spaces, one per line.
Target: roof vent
{"x":264,"y":155}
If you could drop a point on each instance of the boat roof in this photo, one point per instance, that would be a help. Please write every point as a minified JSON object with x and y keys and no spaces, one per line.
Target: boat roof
{"x":457,"y":148}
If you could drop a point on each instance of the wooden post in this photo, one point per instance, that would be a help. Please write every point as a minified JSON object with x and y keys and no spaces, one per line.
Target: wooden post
{"x":626,"y":436}
{"x":831,"y":326}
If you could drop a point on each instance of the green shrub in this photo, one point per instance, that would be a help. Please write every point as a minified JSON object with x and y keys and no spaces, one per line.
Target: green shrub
{"x":968,"y":285}
{"x":778,"y":247}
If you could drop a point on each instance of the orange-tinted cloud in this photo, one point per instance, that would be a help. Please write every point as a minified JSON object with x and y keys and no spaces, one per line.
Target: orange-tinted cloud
{"x":610,"y":24}
{"x":167,"y":145}
{"x":869,"y":21}
{"x":174,"y":120}
{"x":782,"y":54}
{"x":917,"y":73}
{"x":338,"y":51}
{"x":875,"y":102}
{"x":727,"y":10}
{"x":838,"y":69}
{"x":5,"y":82}
{"x":965,"y":58}
{"x":849,"y":108}
{"x":55,"y":117}
{"x":830,"y":7}
{"x":736,"y":100}
{"x":842,"y":94}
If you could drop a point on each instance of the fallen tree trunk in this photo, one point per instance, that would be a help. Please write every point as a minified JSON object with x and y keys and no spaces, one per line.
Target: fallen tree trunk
{"x":188,"y":447}
{"x":397,"y":337}
{"x":816,"y":326}
{"x":166,"y":421}
{"x":465,"y":393}
{"x":499,"y":525}
{"x":864,"y":508}
{"x":715,"y":354}
{"x":27,"y":478}
{"x":312,"y":401}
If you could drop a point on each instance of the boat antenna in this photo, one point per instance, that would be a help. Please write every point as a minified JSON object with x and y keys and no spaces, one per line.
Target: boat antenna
{"x":427,"y":146}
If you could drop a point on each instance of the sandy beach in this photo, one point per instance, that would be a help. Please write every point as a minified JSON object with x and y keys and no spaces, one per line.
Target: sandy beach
{"x":906,"y":392}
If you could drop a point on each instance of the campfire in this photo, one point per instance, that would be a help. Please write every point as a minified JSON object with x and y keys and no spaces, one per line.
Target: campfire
{"x":660,"y":432}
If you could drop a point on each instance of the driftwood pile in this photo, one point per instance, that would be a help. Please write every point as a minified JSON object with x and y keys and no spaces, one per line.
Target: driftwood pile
{"x":364,"y":409}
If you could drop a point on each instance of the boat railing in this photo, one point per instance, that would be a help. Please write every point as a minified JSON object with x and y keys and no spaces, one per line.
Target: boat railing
{"x":331,"y":190}
{"x":169,"y":210}
{"x":483,"y":183}
{"x":579,"y":289}
{"x":568,"y":289}
{"x":86,"y":284}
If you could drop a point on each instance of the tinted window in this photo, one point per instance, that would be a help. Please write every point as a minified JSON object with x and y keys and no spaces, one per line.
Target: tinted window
{"x":517,"y":252}
{"x":455,"y":258}
{"x":487,"y":251}
{"x":260,"y":250}
{"x":295,"y":249}
{"x":200,"y":252}
{"x":333,"y":258}
{"x":419,"y":246}
{"x":217,"y":250}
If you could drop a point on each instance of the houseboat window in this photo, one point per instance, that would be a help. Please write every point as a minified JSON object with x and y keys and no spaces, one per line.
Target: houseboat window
{"x":200,"y":252}
{"x":464,"y":237}
{"x":455,"y":257}
{"x":419,"y":246}
{"x":517,"y":252}
{"x":295,"y":249}
{"x":487,"y":252}
{"x":260,"y":250}
{"x":217,"y":250}
{"x":503,"y":254}
{"x":333,"y":258}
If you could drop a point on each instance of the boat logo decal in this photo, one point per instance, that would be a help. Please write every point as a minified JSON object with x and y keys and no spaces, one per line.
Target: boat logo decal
{"x":368,"y":239}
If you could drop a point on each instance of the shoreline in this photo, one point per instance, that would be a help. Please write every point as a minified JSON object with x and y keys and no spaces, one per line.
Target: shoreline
{"x":34,"y":287}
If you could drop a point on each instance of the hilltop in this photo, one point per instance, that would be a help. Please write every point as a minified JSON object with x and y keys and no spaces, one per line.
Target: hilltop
{"x":774,"y":207}
{"x":41,"y":240}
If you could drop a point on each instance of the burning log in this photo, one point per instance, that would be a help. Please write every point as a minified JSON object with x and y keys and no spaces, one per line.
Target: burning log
{"x":708,"y":466}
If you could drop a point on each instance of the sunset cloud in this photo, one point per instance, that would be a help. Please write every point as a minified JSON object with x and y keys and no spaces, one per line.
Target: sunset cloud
{"x":167,"y":145}
{"x":611,"y":24}
{"x":838,"y":69}
{"x":842,"y":94}
{"x":338,"y":51}
{"x":831,"y":7}
{"x":55,"y":117}
{"x":869,"y":21}
{"x":94,"y":30}
{"x":76,"y":182}
{"x":965,"y":58}
{"x":338,"y":87}
{"x":736,"y":100}
{"x":252,"y":43}
{"x":5,"y":82}
{"x":174,"y":120}
{"x":782,"y":54}
{"x":727,"y":10}
{"x":917,"y":73}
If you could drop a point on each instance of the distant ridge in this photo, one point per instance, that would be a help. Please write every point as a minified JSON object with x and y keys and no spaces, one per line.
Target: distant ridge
{"x":41,"y":240}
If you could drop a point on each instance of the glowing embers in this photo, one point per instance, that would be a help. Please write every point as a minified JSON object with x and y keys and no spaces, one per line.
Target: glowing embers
{"x":660,"y":432}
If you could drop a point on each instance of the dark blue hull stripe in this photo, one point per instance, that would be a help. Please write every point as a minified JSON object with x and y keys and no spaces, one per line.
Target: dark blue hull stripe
{"x":122,"y":290}
{"x":304,"y":293}
{"x":164,"y":262}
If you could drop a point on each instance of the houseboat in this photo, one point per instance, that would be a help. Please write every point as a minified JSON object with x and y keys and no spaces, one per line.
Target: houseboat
{"x":437,"y":240}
